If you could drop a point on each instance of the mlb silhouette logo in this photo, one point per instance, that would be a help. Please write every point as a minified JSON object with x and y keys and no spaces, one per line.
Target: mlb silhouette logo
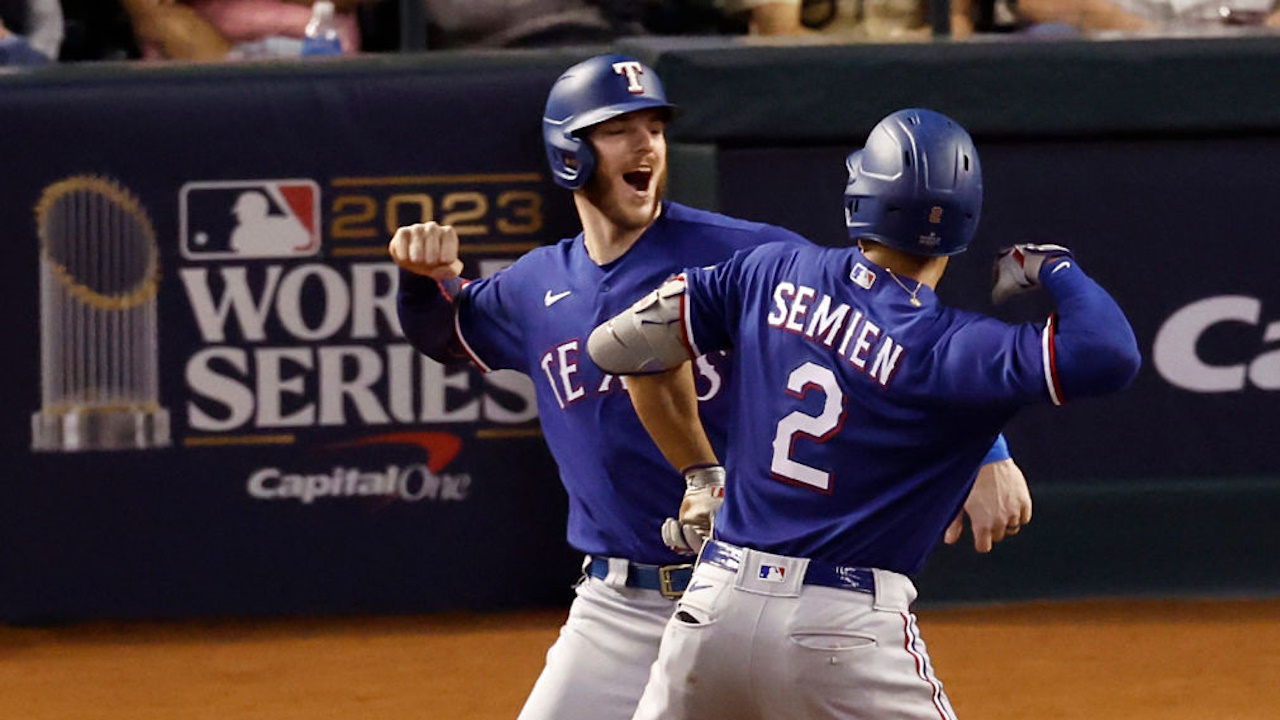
{"x":236,"y":219}
{"x":862,"y":277}
{"x":773,"y":573}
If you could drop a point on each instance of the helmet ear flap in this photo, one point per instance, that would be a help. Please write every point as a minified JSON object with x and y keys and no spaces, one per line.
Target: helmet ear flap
{"x":860,"y":208}
{"x":563,"y":155}
{"x":586,"y":162}
{"x":572,"y":162}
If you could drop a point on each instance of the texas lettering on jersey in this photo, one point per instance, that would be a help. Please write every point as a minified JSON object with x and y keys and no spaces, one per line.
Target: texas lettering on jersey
{"x":563,"y":367}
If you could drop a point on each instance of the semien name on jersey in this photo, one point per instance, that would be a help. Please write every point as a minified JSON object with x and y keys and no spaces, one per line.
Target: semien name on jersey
{"x":860,"y":341}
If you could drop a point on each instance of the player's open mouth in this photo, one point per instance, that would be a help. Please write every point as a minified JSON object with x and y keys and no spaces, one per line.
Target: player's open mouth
{"x":638,"y":179}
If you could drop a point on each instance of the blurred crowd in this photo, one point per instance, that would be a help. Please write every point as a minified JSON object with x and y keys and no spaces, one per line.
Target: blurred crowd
{"x":36,"y":32}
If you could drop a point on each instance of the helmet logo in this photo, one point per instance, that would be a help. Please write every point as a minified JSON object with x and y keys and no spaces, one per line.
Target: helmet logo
{"x":935,"y":215}
{"x":632,"y":70}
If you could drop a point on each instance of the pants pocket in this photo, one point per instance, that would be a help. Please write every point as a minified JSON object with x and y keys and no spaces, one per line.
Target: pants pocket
{"x":832,"y":640}
{"x":693,"y":617}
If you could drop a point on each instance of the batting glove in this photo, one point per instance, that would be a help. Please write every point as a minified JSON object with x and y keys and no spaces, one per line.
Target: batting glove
{"x":703,"y":496}
{"x":1017,"y":269}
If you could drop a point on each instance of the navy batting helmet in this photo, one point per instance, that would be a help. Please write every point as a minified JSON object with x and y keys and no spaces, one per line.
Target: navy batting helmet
{"x":587,"y":94}
{"x":916,"y":185}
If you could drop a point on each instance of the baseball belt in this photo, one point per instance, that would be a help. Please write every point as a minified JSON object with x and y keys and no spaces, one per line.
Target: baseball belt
{"x":670,"y":580}
{"x":844,"y":577}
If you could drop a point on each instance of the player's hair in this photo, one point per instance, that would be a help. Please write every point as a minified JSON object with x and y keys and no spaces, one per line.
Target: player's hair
{"x":586,"y":95}
{"x":916,"y":185}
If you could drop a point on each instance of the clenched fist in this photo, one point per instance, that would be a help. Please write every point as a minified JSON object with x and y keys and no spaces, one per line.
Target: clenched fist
{"x":429,"y":249}
{"x":1017,"y":268}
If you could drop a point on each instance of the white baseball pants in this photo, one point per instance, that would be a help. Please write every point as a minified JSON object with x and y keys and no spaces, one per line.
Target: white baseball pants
{"x":751,"y":645}
{"x":597,"y":668}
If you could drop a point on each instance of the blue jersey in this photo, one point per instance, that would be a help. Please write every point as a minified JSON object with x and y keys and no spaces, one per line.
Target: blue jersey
{"x":535,"y":317}
{"x":870,"y":414}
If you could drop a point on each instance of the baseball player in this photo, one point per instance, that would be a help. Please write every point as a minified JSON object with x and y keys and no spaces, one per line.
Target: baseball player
{"x":871,"y":403}
{"x":604,"y":131}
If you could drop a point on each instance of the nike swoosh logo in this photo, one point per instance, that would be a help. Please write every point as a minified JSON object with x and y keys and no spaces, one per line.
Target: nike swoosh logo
{"x":551,"y":299}
{"x":1061,"y":266}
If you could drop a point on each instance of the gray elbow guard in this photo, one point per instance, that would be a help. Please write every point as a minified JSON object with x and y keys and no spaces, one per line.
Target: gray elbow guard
{"x":647,"y":337}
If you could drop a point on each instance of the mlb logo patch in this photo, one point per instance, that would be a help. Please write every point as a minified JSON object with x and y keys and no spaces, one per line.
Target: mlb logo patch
{"x":862,"y":277}
{"x":773,"y":573}
{"x":236,"y":219}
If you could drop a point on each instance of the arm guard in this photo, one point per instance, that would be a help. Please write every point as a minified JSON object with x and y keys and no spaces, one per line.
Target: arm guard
{"x":647,"y":337}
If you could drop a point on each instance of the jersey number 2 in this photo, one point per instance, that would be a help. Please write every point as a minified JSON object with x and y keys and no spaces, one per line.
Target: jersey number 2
{"x":820,"y":427}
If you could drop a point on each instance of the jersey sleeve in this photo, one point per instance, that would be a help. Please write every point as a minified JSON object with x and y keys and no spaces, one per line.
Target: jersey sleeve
{"x":488,"y":322}
{"x":426,"y":311}
{"x":983,"y":361}
{"x":1091,"y":349}
{"x":1086,"y":349}
{"x":999,"y":450}
{"x":714,"y":297}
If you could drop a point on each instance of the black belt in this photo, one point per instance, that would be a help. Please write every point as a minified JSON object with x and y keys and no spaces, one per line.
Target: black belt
{"x":670,"y":580}
{"x":845,"y":577}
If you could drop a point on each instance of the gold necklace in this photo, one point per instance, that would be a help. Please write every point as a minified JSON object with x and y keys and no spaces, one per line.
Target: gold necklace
{"x":915,"y":301}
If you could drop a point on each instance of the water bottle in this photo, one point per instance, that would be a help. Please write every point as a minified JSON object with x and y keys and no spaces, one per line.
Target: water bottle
{"x":321,"y":37}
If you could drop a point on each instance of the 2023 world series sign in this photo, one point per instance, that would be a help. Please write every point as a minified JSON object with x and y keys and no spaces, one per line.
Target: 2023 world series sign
{"x":211,"y":407}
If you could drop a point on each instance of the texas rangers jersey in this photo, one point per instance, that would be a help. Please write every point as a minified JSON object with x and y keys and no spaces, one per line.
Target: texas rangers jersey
{"x":870,"y":412}
{"x":535,"y":317}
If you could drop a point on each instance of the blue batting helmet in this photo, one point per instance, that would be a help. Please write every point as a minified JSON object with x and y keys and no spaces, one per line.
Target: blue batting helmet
{"x":916,"y":185}
{"x":587,"y":94}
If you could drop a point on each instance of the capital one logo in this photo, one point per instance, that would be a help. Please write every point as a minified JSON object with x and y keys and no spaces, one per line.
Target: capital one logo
{"x":1175,"y":350}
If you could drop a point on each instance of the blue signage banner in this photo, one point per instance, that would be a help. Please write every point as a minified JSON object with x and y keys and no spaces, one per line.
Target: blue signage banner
{"x":210,"y":407}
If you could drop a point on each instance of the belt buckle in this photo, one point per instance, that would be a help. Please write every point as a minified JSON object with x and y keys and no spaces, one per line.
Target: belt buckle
{"x":665,"y":585}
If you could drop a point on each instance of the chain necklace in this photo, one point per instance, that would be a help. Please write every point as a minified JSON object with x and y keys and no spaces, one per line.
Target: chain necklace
{"x":915,"y":301}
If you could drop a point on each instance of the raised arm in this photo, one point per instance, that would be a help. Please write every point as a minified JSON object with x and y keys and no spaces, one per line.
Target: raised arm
{"x":430,"y":280}
{"x":1089,"y":345}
